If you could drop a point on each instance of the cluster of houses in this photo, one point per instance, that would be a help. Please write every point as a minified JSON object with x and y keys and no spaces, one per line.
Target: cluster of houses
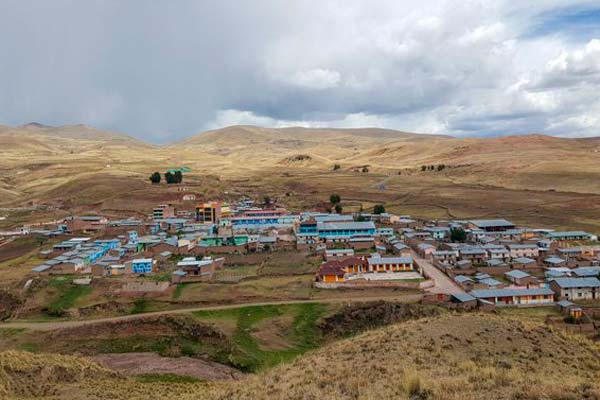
{"x":499,"y":264}
{"x":494,"y":261}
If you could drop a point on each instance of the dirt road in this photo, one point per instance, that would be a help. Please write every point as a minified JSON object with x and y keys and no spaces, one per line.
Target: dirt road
{"x":48,"y":326}
{"x":443,"y":284}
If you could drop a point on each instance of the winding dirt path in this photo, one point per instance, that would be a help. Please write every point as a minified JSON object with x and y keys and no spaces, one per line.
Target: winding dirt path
{"x":54,"y":325}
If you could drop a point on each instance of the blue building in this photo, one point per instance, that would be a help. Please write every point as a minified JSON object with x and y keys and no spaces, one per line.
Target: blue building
{"x":108,"y":244}
{"x":345,"y":229}
{"x":132,"y":237}
{"x":141,"y":266}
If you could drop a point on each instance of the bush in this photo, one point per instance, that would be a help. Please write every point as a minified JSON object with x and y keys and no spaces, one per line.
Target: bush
{"x":336,"y":167}
{"x":169,"y":178}
{"x":458,"y":235}
{"x":155,"y":177}
{"x":338,"y":208}
{"x":335,"y":198}
{"x":378,"y":209}
{"x":365,"y":169}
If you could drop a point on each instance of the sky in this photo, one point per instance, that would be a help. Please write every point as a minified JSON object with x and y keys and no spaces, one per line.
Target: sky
{"x":166,"y":69}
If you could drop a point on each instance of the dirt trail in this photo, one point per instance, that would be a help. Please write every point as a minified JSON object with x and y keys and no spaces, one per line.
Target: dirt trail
{"x":54,"y":325}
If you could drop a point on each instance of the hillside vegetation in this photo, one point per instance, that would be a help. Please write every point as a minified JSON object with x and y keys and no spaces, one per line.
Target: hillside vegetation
{"x":528,"y":178}
{"x":469,"y":356}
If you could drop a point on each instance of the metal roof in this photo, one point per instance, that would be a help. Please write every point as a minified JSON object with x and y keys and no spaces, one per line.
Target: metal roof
{"x":522,"y":246}
{"x":524,"y":260}
{"x":587,"y":271}
{"x":487,"y":223}
{"x":463,"y":297}
{"x":554,"y":260}
{"x":345,"y":225}
{"x":487,"y":293}
{"x":567,"y":283}
{"x":390,"y":260}
{"x":517,"y":274}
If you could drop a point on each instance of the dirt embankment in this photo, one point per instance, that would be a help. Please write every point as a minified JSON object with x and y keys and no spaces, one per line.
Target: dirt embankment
{"x":356,"y":318}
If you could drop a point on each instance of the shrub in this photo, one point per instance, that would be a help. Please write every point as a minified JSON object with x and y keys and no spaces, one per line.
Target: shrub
{"x":155,"y":177}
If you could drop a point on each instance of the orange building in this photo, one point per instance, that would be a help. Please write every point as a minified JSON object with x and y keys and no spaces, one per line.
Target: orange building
{"x":209,"y":212}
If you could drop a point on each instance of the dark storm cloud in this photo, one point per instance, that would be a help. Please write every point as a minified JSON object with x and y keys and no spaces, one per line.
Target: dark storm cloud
{"x":162,"y":70}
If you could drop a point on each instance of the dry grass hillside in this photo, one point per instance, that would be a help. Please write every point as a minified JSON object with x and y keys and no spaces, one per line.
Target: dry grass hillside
{"x":528,"y":178}
{"x":464,"y":357}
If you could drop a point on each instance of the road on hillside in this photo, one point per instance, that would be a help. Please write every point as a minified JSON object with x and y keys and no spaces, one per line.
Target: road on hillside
{"x":49,"y":326}
{"x":443,"y":284}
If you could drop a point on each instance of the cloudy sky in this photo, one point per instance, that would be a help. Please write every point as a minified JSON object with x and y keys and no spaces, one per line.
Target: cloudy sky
{"x":162,"y":70}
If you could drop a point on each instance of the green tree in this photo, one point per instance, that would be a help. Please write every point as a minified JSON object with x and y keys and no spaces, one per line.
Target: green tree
{"x":378,"y":209}
{"x":335,"y":198}
{"x":336,"y":167}
{"x":338,"y":208}
{"x":365,"y":169}
{"x":458,"y":235}
{"x":441,"y":167}
{"x":178,"y":176}
{"x":267,"y":200}
{"x":169,"y":177}
{"x":423,"y":167}
{"x":155,"y":177}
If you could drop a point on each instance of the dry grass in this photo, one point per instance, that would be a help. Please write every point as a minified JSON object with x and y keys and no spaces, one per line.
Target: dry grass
{"x":469,"y":356}
{"x":483,"y":178}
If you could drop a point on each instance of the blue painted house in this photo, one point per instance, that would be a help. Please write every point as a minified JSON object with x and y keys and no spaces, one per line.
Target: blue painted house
{"x":141,"y":266}
{"x":345,"y":229}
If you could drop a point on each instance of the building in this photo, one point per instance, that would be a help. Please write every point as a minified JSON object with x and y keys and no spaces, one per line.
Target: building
{"x":345,"y":229}
{"x":586,"y":272}
{"x":521,"y":278}
{"x":337,"y":254}
{"x":331,"y":272}
{"x":163,"y":211}
{"x":515,"y":297}
{"x":476,"y":255}
{"x":209,"y":212}
{"x":497,"y":252}
{"x":88,"y":223}
{"x":523,"y":250}
{"x":491,"y":225}
{"x":141,"y":266}
{"x":524,"y":262}
{"x":389,"y":264}
{"x":566,"y":236}
{"x":263,"y":218}
{"x":192,"y":270}
{"x":576,"y":288}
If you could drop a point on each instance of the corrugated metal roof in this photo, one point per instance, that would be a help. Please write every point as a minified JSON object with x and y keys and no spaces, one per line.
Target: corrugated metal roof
{"x":488,"y":223}
{"x":463,"y":297}
{"x":487,"y":293}
{"x":566,"y":283}
{"x":517,"y":274}
{"x":389,"y":260}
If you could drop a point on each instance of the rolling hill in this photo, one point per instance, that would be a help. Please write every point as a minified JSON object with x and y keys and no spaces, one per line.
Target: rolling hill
{"x":42,"y":164}
{"x":466,"y":357}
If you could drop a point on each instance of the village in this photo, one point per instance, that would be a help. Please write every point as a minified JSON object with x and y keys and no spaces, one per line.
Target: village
{"x":465,"y":264}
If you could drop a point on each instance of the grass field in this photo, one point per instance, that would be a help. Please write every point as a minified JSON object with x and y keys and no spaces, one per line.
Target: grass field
{"x":65,"y":295}
{"x":298,"y":335}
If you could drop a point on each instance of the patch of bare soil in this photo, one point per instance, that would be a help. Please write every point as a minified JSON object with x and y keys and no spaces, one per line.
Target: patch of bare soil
{"x":151,"y":363}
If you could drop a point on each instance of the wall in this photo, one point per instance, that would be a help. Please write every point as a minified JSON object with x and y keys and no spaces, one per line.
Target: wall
{"x":373,"y":284}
